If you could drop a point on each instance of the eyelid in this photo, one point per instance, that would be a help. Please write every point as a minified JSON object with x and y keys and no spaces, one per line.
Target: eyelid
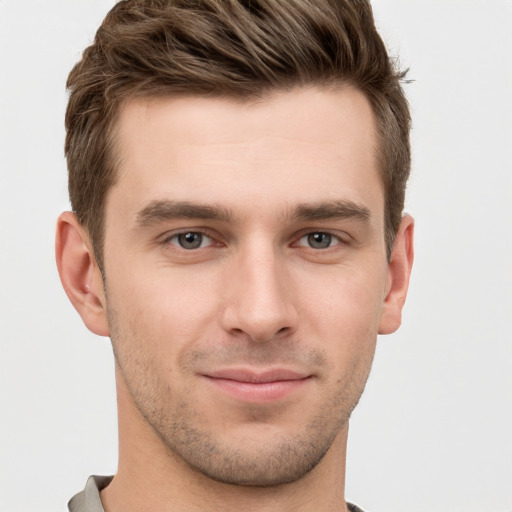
{"x":341,"y":237}
{"x":169,"y":236}
{"x":335,"y":241}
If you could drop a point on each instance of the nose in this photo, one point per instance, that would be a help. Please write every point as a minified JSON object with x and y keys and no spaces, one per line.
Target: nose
{"x":259,"y":300}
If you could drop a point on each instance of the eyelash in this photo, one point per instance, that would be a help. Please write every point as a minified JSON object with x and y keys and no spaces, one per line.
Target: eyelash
{"x":175,"y":236}
{"x":331,"y":237}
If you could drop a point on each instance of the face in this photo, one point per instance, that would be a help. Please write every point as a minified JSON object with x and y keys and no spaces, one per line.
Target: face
{"x":245,"y":275}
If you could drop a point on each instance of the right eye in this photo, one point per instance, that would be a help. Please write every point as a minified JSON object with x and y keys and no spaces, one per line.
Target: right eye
{"x":319,"y":240}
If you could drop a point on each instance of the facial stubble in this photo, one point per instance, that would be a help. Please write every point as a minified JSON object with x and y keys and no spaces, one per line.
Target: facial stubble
{"x":282,"y":457}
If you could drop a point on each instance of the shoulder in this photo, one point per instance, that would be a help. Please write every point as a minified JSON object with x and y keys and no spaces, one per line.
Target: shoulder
{"x":89,"y":500}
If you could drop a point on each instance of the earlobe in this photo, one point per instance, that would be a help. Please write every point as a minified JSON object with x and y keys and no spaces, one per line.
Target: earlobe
{"x":399,"y":271}
{"x":79,"y":273}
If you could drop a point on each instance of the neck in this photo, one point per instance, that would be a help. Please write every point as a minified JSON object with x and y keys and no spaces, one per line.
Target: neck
{"x":152,"y":478}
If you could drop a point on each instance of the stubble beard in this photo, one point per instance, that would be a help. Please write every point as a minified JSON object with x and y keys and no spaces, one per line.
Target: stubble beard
{"x":276,"y":461}
{"x":281,"y":459}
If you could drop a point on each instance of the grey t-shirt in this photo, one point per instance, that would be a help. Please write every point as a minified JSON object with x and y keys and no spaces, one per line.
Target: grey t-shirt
{"x":89,"y":499}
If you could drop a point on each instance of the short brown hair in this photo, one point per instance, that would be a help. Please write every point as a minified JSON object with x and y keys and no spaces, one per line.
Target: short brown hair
{"x":238,"y":48}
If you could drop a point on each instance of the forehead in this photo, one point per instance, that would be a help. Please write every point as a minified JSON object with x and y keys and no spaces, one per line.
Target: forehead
{"x":299,"y":146}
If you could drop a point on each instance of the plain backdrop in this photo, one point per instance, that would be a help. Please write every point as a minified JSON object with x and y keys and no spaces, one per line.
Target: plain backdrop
{"x":434,"y":428}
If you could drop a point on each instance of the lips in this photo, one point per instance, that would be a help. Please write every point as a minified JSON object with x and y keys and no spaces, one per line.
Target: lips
{"x":258,"y":386}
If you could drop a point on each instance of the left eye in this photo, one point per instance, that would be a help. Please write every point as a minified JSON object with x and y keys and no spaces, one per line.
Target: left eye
{"x":190,"y":240}
{"x":318,"y":240}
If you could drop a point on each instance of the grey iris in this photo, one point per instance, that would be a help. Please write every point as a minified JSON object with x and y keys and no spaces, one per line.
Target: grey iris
{"x":319,"y":240}
{"x":190,"y":240}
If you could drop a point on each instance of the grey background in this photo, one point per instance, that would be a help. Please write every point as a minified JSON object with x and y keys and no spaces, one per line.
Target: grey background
{"x":433,"y":430}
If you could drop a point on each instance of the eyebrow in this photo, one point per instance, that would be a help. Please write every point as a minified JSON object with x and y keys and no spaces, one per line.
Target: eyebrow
{"x":164,"y":210}
{"x":332,"y":210}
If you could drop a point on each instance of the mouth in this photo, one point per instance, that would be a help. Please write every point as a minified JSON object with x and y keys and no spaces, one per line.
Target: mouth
{"x":252,"y":386}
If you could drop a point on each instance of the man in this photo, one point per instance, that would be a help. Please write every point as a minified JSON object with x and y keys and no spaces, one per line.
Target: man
{"x":237,"y":174}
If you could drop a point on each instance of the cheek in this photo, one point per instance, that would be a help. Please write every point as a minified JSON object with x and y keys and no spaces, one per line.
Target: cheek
{"x":163,"y":308}
{"x":351,"y":297}
{"x":345,"y":317}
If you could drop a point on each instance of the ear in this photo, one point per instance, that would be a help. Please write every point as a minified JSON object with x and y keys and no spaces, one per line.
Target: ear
{"x":399,"y":271}
{"x":80,"y":274}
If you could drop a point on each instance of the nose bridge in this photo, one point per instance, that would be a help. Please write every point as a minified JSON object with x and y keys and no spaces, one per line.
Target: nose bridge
{"x":260,"y":303}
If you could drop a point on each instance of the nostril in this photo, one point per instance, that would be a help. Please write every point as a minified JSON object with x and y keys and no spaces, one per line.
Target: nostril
{"x":282,"y":330}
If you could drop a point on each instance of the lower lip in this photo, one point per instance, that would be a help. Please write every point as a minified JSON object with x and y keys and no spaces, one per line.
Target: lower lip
{"x":260,"y":391}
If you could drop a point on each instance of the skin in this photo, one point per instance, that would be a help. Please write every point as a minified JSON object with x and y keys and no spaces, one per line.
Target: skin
{"x":289,"y":284}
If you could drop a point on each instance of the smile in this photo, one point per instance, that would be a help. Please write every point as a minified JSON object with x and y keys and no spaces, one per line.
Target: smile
{"x":258,"y":387}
